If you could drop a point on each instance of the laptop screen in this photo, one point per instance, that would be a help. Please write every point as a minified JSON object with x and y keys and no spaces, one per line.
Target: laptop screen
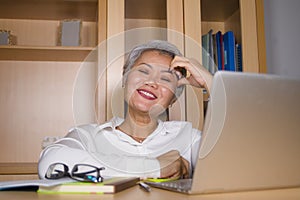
{"x":251,"y":138}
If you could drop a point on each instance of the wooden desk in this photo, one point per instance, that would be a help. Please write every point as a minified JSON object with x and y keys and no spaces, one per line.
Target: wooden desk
{"x":136,"y":193}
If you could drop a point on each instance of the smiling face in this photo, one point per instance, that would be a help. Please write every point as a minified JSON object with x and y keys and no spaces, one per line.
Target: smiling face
{"x":150,"y":84}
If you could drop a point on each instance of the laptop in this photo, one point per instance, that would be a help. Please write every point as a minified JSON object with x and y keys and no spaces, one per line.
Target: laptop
{"x":251,"y":136}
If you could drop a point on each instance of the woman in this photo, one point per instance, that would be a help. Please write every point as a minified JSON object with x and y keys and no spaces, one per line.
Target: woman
{"x":154,"y":76}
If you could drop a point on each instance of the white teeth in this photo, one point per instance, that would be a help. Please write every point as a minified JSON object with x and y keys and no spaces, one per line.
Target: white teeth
{"x":147,"y":94}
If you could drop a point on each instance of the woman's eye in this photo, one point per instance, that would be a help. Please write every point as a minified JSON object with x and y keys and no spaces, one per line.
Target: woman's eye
{"x":165,"y":79}
{"x":143,"y":71}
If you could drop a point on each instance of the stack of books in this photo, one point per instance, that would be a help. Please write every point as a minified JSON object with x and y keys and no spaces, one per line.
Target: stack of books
{"x":221,"y":52}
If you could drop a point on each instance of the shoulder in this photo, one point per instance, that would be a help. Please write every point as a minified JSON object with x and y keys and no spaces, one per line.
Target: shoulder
{"x":177,"y":124}
{"x":85,"y":134}
{"x":86,"y":127}
{"x":94,"y":128}
{"x":180,"y":126}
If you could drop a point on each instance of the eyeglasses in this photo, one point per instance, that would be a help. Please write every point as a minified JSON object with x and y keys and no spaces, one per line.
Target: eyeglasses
{"x":80,"y":172}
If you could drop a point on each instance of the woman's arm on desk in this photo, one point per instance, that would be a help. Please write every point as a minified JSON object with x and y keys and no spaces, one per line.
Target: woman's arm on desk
{"x":75,"y":149}
{"x":115,"y":165}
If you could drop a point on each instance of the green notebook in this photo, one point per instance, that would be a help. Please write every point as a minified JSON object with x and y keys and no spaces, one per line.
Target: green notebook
{"x":109,"y":185}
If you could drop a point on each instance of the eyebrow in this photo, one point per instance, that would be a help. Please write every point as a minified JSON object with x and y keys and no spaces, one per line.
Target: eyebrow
{"x":150,"y":66}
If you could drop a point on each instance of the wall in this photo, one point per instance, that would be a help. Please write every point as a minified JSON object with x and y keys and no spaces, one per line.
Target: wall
{"x":282,"y":29}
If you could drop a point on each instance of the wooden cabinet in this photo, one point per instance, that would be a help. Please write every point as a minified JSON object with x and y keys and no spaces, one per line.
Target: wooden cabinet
{"x":38,"y":77}
{"x":46,"y":88}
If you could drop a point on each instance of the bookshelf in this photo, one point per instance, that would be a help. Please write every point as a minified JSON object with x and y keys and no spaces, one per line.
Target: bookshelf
{"x":37,"y":75}
{"x":34,"y":27}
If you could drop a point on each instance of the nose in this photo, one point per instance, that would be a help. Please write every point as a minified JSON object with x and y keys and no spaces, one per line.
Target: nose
{"x":151,"y":82}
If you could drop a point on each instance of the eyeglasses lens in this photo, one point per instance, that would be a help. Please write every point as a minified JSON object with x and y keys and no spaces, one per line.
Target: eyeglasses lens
{"x":57,"y":170}
{"x":88,"y":173}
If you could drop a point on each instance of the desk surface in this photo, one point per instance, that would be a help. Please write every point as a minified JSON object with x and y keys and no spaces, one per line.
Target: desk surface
{"x":137,"y":193}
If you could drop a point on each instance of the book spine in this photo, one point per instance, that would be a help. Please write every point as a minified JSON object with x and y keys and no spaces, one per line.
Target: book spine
{"x":239,"y":59}
{"x":229,"y":51}
{"x":205,"y":51}
{"x":211,"y":63}
{"x":219,"y":47}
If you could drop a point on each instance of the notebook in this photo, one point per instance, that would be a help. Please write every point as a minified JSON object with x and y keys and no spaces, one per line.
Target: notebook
{"x":251,"y":137}
{"x":108,"y":186}
{"x":70,"y":186}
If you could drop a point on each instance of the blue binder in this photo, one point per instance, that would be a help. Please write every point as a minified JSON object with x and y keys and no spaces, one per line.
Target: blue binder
{"x":229,"y":51}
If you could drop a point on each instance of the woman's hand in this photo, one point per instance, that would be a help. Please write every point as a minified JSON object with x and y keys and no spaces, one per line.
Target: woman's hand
{"x":173,"y":165}
{"x":197,"y":76}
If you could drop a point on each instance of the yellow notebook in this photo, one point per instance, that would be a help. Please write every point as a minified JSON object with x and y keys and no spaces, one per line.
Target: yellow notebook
{"x":109,"y":185}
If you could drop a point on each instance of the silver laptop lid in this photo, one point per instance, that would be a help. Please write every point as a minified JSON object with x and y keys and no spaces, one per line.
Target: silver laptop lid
{"x":251,"y":136}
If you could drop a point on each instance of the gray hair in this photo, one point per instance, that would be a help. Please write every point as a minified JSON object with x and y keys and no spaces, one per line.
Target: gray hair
{"x":157,"y":45}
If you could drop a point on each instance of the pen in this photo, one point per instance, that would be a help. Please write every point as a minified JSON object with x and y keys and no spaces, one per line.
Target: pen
{"x":144,"y":186}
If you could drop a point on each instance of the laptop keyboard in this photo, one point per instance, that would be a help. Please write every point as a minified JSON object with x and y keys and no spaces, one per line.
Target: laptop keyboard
{"x":182,"y":185}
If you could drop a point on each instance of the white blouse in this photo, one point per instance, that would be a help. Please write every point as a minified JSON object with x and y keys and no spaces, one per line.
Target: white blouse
{"x":121,"y":155}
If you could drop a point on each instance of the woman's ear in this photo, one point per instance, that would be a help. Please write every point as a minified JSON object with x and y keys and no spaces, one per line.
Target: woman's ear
{"x":172,"y":101}
{"x":124,"y":79}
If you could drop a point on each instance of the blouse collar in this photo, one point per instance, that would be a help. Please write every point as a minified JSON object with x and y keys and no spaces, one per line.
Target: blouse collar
{"x":116,"y":121}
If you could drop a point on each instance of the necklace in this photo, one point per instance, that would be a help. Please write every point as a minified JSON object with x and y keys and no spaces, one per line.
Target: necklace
{"x":138,"y":139}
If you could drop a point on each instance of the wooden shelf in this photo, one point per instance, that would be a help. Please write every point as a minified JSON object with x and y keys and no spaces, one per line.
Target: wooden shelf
{"x":61,"y":48}
{"x":218,"y":10}
{"x":44,"y":53}
{"x":49,"y":9}
{"x":28,"y":32}
{"x":154,"y":9}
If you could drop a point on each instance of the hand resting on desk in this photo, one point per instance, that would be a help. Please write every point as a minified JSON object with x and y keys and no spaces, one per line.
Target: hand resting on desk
{"x":173,"y":165}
